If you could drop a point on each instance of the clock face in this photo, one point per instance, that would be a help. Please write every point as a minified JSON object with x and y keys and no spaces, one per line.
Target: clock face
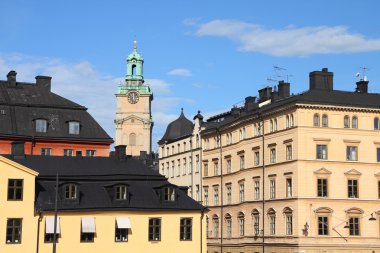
{"x":133,"y":97}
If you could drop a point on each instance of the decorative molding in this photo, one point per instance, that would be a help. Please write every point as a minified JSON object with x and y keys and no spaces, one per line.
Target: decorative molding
{"x":353,"y":172}
{"x":272,"y":175}
{"x":256,"y":177}
{"x":376,"y":142}
{"x":272,"y":145}
{"x":240,"y":152}
{"x":354,"y":210}
{"x":322,"y":171}
{"x":256,"y":147}
{"x":377,"y":174}
{"x":288,"y":173}
{"x":322,"y":139}
{"x":288,"y":140}
{"x":323,"y":210}
{"x":215,"y":159}
{"x":227,"y":156}
{"x":241,"y":180}
{"x":351,"y":141}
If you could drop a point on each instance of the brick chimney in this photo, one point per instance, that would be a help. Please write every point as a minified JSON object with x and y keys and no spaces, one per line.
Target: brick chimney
{"x":362,"y":86}
{"x":321,"y":80}
{"x":283,"y":90}
{"x":44,"y":81}
{"x":120,"y":152}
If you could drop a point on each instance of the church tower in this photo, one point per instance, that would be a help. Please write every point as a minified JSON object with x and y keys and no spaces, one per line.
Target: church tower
{"x":133,"y":113}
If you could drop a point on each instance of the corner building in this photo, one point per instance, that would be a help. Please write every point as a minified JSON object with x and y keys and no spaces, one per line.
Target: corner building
{"x":295,"y":173}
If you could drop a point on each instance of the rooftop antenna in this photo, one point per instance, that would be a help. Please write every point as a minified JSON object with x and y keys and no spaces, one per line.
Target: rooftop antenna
{"x":364,"y":69}
{"x":134,"y":42}
{"x":277,"y":70}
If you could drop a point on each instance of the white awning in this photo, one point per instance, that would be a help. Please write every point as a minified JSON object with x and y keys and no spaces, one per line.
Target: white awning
{"x":123,"y":222}
{"x":88,"y":224}
{"x":49,"y":225}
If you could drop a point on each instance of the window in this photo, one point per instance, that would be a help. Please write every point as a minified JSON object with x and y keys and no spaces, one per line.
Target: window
{"x":376,"y":123}
{"x":287,"y":121}
{"x":229,"y":166}
{"x":205,"y":199}
{"x":14,"y":228}
{"x":275,"y":125}
{"x":190,"y":165}
{"x":256,"y":225}
{"x":272,"y":224}
{"x":70,"y":191}
{"x":244,"y":133}
{"x":229,"y":194}
{"x":87,"y":229}
{"x":322,"y":152}
{"x":186,"y":229}
{"x":241,"y":223}
{"x":257,"y":189}
{"x":241,"y":192}
{"x":291,"y":120}
{"x":49,"y":229}
{"x":322,"y":187}
{"x":271,"y":126}
{"x":15,"y":189}
{"x":289,"y":187}
{"x":240,"y":135}
{"x":354,"y":225}
{"x":207,"y":226}
{"x":354,"y":122}
{"x":346,"y":121}
{"x":257,"y":158}
{"x":172,"y":168}
{"x":353,"y":188}
{"x":272,"y":155}
{"x":197,"y":163}
{"x":378,"y":187}
{"x":121,"y":192}
{"x":378,"y":154}
{"x":41,"y":126}
{"x":241,"y":162}
{"x":216,"y":170}
{"x":121,"y":229}
{"x":46,"y":151}
{"x":196,"y":142}
{"x":74,"y":127}
{"x":216,"y":226}
{"x":184,"y":167}
{"x":325,"y":120}
{"x":228,"y":225}
{"x":178,"y":167}
{"x":316,"y":120}
{"x":205,"y":170}
{"x":154,"y":229}
{"x":68,"y":152}
{"x":197,"y":198}
{"x":178,"y":148}
{"x":352,"y":153}
{"x":169,"y":194}
{"x":323,"y":225}
{"x":289,"y":152}
{"x":289,"y":224}
{"x":90,"y":153}
{"x":272,"y":189}
{"x":216,"y":196}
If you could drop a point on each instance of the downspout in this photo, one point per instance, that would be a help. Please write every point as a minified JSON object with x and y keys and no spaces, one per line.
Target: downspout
{"x":221,"y":189}
{"x":263,"y":157}
{"x":202,"y":213}
{"x":38,"y":231}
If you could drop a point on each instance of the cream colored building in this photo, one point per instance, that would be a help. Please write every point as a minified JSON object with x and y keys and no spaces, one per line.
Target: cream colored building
{"x":318,"y":189}
{"x":133,"y":121}
{"x":180,"y":154}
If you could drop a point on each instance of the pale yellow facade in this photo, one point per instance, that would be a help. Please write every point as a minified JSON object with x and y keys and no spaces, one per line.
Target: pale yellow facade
{"x":295,"y":176}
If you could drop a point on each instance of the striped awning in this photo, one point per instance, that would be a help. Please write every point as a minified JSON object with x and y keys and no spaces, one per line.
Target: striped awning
{"x":49,"y":225}
{"x":123,"y":222}
{"x":88,"y":225}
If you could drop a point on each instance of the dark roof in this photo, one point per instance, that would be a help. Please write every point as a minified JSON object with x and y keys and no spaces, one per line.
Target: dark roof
{"x":312,"y":97}
{"x":96,"y":178}
{"x":177,"y":129}
{"x":22,"y":103}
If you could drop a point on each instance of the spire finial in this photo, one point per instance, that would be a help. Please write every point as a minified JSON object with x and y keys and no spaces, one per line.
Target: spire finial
{"x":182,"y":110}
{"x":134,"y":42}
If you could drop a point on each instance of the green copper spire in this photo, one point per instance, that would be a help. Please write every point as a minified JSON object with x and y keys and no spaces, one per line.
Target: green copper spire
{"x":134,"y":66}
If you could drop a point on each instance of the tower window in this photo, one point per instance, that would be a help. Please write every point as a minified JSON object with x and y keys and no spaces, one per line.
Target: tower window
{"x":132,"y":139}
{"x":133,"y":70}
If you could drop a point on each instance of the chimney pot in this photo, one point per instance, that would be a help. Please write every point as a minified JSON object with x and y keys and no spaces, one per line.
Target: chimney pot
{"x":11,"y":77}
{"x":321,"y":80}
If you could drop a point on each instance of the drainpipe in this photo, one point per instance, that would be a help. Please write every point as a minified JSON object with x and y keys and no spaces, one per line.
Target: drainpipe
{"x":221,"y":188}
{"x":200,"y":165}
{"x":38,"y":231}
{"x":263,"y":158}
{"x":202,"y":215}
{"x":192,"y":167}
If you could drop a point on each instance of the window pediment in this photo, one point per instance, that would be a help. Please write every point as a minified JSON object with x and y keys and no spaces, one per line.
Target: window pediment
{"x":352,"y":172}
{"x":323,"y":210}
{"x":354,"y":210}
{"x":322,"y":171}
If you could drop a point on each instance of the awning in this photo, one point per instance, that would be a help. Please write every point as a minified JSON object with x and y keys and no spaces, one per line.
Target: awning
{"x":123,"y":222}
{"x":49,"y":225}
{"x":88,"y":224}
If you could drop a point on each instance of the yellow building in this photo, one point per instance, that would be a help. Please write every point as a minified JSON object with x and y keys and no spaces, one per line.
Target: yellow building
{"x":104,"y":205}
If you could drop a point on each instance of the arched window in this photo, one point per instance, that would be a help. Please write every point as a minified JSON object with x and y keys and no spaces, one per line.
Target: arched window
{"x":272,"y":221}
{"x":241,"y":219}
{"x":287,"y":121}
{"x":271,"y":126}
{"x":132,"y":139}
{"x":275,"y":125}
{"x":376,"y":123}
{"x":316,"y":120}
{"x":228,"y":225}
{"x":133,"y":70}
{"x":256,"y":222}
{"x":244,"y":133}
{"x":215,"y":220}
{"x":325,"y":121}
{"x":354,"y":122}
{"x":207,"y":226}
{"x":240,"y":135}
{"x":346,"y":121}
{"x":291,"y":120}
{"x":288,"y":212}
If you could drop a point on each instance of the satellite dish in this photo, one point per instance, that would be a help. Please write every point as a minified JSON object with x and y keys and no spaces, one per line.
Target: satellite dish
{"x":357,"y":74}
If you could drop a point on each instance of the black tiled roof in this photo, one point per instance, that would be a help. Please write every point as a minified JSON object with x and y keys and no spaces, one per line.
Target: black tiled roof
{"x":95,"y":177}
{"x":179,"y":128}
{"x":22,"y":103}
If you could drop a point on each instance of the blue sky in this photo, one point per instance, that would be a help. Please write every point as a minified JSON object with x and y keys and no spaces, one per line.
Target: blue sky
{"x":206,"y":55}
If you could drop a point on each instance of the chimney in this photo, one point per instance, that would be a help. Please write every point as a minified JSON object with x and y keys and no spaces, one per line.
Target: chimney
{"x":78,"y":154}
{"x":283,"y":89}
{"x":120,"y":152}
{"x":235,"y":111}
{"x":265,"y":93}
{"x":44,"y":81}
{"x":11,"y":77}
{"x":321,"y":80}
{"x":249,"y":103}
{"x":18,"y":150}
{"x":362,"y":86}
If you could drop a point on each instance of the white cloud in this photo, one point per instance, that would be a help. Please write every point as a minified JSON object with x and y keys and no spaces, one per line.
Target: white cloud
{"x":191,"y":21}
{"x":179,"y":72}
{"x":291,"y":40}
{"x":82,"y":83}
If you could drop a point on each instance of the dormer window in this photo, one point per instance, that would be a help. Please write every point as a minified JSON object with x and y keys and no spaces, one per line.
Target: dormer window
{"x":169,"y":194}
{"x":71,"y":192}
{"x":74,"y":127}
{"x":41,"y":126}
{"x":121,"y":192}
